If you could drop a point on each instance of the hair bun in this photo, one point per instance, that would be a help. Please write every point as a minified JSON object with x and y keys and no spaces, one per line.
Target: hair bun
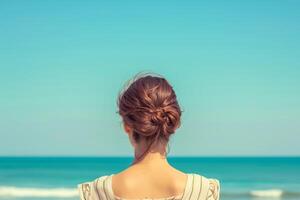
{"x":150,"y":107}
{"x":164,"y":120}
{"x":159,"y":116}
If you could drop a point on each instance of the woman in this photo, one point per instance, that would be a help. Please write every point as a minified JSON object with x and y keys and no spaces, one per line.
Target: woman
{"x":151,"y":114}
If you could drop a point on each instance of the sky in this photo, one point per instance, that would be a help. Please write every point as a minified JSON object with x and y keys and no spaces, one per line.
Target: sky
{"x":234,"y":66}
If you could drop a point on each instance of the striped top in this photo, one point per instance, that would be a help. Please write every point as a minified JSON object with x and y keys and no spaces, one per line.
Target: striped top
{"x":197,"y":188}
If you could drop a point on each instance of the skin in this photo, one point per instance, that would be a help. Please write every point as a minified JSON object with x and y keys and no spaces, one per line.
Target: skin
{"x":151,"y":177}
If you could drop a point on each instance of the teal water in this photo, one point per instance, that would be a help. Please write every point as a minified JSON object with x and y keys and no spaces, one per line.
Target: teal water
{"x":44,"y":177}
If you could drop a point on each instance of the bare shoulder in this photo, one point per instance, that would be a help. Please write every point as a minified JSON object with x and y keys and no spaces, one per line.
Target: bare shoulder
{"x":166,"y":181}
{"x":180,"y":179}
{"x":121,"y":182}
{"x":123,"y":176}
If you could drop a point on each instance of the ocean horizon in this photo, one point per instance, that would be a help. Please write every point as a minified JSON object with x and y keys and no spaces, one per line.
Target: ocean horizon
{"x":241,"y":178}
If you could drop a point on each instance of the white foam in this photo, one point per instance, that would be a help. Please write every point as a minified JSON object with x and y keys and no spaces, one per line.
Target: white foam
{"x":37,"y":192}
{"x":275,"y":193}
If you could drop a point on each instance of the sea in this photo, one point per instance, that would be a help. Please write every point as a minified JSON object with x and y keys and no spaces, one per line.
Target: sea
{"x":241,"y":178}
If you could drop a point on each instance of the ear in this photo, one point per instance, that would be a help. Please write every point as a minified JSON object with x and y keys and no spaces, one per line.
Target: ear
{"x":127,"y":128}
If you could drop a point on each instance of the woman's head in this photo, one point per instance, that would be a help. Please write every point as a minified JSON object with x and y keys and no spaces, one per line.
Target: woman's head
{"x":149,"y":107}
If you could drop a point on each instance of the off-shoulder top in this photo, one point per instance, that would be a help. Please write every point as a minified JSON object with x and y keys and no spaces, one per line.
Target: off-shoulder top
{"x":197,"y":187}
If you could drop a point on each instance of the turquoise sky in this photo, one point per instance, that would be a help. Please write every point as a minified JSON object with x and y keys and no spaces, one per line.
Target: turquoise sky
{"x":233,"y":64}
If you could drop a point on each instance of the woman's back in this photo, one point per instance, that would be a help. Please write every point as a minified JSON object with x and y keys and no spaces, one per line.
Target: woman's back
{"x":157,"y":178}
{"x":197,"y":188}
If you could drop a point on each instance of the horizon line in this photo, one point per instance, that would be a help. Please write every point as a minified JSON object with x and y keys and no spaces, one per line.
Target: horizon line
{"x":173,"y":156}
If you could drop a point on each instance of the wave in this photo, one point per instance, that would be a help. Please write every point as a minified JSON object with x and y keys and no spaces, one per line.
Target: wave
{"x":267,"y":193}
{"x":9,"y":191}
{"x":270,"y":194}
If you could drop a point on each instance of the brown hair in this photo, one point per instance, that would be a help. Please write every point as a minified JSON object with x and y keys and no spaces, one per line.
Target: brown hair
{"x":149,"y":106}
